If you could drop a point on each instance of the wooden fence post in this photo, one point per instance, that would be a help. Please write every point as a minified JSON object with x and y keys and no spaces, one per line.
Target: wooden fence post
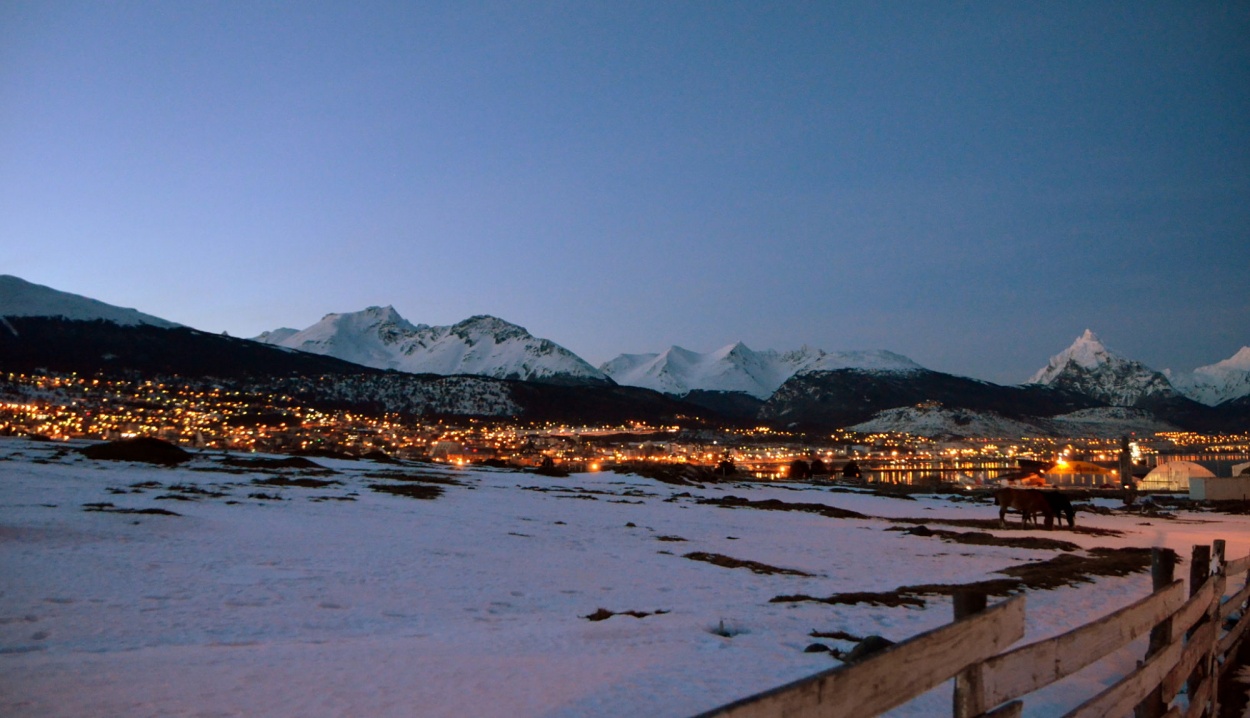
{"x":1199,"y":568}
{"x":1162,"y":568}
{"x":1199,"y":573}
{"x":1210,"y":666}
{"x":969,"y":698}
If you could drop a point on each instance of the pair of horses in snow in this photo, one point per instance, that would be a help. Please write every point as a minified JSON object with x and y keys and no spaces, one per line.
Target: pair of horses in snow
{"x":1031,"y":502}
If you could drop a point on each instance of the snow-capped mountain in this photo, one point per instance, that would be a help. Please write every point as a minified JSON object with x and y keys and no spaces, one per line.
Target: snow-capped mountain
{"x":1216,"y":383}
{"x":1089,"y":368}
{"x":483,"y":345}
{"x":20,"y":298}
{"x":939,"y":421}
{"x":739,"y":368}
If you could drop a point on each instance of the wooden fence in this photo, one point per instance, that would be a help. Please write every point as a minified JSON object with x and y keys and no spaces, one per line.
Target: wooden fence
{"x":1194,"y":636}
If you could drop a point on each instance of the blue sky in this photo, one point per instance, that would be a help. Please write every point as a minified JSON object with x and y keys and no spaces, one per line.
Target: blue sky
{"x":969,"y":184}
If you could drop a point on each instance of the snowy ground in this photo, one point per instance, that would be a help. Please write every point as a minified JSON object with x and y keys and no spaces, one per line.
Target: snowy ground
{"x":472,"y":603}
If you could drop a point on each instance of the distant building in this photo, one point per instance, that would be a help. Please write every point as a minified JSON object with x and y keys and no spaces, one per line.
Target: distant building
{"x":1236,"y":488}
{"x":1173,"y":476}
{"x":1080,"y":473}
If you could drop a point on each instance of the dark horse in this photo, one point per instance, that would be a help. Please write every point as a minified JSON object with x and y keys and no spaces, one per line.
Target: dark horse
{"x":1029,"y":502}
{"x":1061,"y":506}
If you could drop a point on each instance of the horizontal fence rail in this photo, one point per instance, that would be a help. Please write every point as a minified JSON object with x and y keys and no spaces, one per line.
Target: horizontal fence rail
{"x":1195,"y":635}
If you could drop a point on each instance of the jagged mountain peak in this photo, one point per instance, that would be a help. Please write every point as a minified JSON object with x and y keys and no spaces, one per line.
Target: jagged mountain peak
{"x":738,"y":368}
{"x":484,"y":345}
{"x":1087,"y":352}
{"x":1090,"y":368}
{"x":485,"y":324}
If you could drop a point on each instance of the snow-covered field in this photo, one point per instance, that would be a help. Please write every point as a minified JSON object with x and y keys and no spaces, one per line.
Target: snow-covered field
{"x":474,"y":602}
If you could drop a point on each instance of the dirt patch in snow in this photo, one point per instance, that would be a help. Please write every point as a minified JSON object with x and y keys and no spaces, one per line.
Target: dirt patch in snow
{"x":893,"y":599}
{"x":676,"y":474}
{"x":980,"y":538}
{"x":106,"y":507}
{"x":300,"y":482}
{"x":417,"y":491}
{"x":718,"y":559}
{"x":419,"y":477}
{"x":996,"y":525}
{"x":1062,"y":570}
{"x":289,"y":462}
{"x":604,"y":614}
{"x":737,"y":502}
{"x":836,"y":635}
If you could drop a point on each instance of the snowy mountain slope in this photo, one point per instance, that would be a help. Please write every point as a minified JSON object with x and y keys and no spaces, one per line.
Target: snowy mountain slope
{"x":483,"y":345}
{"x":277,"y":336}
{"x":1089,"y":368}
{"x":1107,"y":422}
{"x":20,"y":298}
{"x":1215,"y":383}
{"x":738,"y":368}
{"x":943,"y":421}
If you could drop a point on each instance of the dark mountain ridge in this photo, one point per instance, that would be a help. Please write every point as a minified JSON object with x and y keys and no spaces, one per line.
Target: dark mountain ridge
{"x":97,"y":347}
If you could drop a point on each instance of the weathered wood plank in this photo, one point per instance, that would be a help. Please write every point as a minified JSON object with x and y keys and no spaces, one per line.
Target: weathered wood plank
{"x":1234,"y":603}
{"x":1231,"y":638}
{"x":1028,"y":668}
{"x":1197,"y":606}
{"x":893,"y":676}
{"x":1120,"y":698}
{"x":968,"y":698}
{"x":1012,"y":710}
{"x":1198,"y":647}
{"x":1203,"y":694}
{"x":1236,"y":566}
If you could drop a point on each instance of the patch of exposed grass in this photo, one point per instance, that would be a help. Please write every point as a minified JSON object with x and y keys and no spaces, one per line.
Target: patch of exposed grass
{"x":736,"y":502}
{"x":1063,"y":570}
{"x":995,"y":525}
{"x":107,"y":507}
{"x":260,"y":462}
{"x":669,"y":538}
{"x":718,"y":559}
{"x":836,"y":635}
{"x":604,"y":614}
{"x":420,"y":477}
{"x":195,"y":491}
{"x":980,"y":538}
{"x":883,"y":598}
{"x":412,"y":491}
{"x":1068,"y":570}
{"x":302,"y":482}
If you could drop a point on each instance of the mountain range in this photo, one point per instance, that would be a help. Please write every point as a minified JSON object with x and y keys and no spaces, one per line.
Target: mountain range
{"x":487,"y":366}
{"x":737,"y":368}
{"x":379,"y":337}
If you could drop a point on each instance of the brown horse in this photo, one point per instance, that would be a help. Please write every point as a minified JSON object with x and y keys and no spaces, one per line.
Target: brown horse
{"x":1029,"y":502}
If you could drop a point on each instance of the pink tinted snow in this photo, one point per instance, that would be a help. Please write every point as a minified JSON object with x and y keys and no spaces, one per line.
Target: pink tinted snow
{"x":470,"y":604}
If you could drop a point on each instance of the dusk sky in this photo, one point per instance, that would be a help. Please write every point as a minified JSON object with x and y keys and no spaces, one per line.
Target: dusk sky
{"x":969,"y":184}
